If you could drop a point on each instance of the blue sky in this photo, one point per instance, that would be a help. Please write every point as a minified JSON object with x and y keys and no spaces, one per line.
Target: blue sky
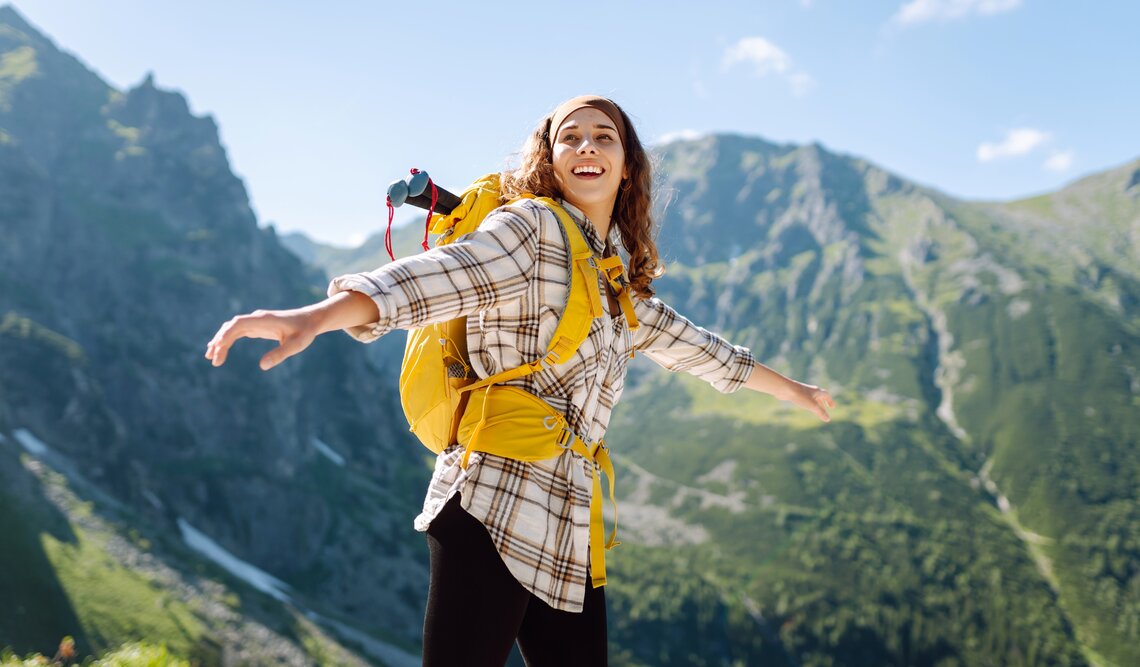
{"x":322,"y":104}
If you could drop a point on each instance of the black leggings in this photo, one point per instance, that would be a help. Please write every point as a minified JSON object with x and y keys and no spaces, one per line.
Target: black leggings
{"x":476,"y":608}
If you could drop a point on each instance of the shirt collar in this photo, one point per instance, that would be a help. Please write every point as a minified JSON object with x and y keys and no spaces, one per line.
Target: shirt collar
{"x":595,"y":241}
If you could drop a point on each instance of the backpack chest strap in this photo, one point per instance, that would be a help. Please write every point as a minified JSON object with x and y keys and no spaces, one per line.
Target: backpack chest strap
{"x":614,"y":272}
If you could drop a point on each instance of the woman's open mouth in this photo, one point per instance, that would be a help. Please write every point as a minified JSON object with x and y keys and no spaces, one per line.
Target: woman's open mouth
{"x":588,"y":171}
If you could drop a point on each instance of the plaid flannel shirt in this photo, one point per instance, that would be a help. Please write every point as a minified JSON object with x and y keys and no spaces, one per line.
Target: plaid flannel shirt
{"x":510,"y":278}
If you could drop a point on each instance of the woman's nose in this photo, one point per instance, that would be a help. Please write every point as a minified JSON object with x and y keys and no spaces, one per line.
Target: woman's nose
{"x":587,"y":146}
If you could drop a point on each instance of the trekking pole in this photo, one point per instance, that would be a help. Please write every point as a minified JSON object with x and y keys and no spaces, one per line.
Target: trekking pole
{"x":418,"y":190}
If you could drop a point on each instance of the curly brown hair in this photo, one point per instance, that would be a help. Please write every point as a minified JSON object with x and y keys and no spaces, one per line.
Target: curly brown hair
{"x":632,"y":215}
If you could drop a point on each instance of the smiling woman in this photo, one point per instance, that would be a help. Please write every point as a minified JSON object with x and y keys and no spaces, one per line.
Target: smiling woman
{"x":516,"y":539}
{"x":589,"y":163}
{"x":560,"y":142}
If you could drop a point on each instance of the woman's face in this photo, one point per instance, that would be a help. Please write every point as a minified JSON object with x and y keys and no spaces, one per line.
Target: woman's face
{"x":589,"y":161}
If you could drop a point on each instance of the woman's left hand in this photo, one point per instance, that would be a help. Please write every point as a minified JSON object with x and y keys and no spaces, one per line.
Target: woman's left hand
{"x":810,"y":398}
{"x":807,"y":396}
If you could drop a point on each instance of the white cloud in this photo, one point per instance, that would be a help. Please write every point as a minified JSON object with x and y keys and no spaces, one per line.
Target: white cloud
{"x":357,"y":239}
{"x":766,"y":58}
{"x":1018,"y":141}
{"x":1059,"y":161}
{"x":802,"y":83}
{"x":678,"y":135}
{"x":924,"y":11}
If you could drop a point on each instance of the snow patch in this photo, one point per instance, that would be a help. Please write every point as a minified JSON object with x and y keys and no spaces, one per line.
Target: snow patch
{"x":152,"y":499}
{"x":262,"y":581}
{"x":328,"y":451}
{"x":1009,"y":282}
{"x":31,"y":443}
{"x":270,"y":585}
{"x":387,"y":653}
{"x":723,"y":473}
{"x":1133,"y":379}
{"x":1017,"y":308}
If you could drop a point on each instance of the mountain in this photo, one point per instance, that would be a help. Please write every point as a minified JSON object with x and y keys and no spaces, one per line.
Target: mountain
{"x":974,"y":496}
{"x":407,"y":239}
{"x":125,"y":241}
{"x":973,"y":501}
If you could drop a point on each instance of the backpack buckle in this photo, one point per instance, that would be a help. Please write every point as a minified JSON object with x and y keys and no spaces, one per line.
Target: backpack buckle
{"x":566,"y":436}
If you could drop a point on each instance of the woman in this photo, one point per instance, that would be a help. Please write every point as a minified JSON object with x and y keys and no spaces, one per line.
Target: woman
{"x":508,"y":539}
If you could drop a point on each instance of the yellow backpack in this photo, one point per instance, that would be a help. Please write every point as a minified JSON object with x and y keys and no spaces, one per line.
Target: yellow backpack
{"x":444,"y":405}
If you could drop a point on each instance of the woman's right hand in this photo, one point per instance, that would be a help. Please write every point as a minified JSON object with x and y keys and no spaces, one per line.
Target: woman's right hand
{"x":294,"y":330}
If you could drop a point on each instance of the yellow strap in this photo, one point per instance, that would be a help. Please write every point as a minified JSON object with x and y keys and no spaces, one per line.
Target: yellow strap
{"x":610,"y":265}
{"x":603,"y":459}
{"x":506,"y":376}
{"x":572,"y":327}
{"x":471,"y":444}
{"x":584,"y":270}
{"x":615,"y":274}
{"x":597,"y":534}
{"x":598,"y":544}
{"x":517,"y":424}
{"x":627,"y":308}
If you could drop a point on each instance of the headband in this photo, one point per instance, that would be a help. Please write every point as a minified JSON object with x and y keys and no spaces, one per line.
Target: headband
{"x":594,"y":102}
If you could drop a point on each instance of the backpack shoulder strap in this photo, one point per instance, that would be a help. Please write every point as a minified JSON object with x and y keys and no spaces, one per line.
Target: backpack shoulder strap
{"x":612,"y":268}
{"x":583,"y":305}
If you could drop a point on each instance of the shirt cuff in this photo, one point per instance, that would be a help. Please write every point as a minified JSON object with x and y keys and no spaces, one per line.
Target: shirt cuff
{"x":740,"y":369}
{"x":374,"y":289}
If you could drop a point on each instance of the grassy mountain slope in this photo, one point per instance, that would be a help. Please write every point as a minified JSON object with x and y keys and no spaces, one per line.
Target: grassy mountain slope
{"x":79,"y":564}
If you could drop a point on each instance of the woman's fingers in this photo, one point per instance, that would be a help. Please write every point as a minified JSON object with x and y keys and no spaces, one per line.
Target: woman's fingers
{"x":820,"y":402}
{"x":219,"y":345}
{"x":288,"y":347}
{"x":272,"y":358}
{"x":289,"y":328}
{"x":258,"y":324}
{"x":820,"y":411}
{"x":823,"y":403}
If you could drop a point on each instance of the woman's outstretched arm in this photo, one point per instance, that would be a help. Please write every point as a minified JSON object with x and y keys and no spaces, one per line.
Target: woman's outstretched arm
{"x":806,"y":396}
{"x":293,"y":329}
{"x":677,"y":344}
{"x":483,"y":269}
